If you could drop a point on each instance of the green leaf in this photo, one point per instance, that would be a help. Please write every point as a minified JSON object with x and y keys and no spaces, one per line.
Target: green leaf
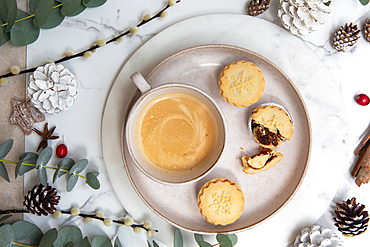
{"x":327,"y":3}
{"x":92,"y":181}
{"x":5,"y":36}
{"x":55,"y":18}
{"x":204,"y":244}
{"x":8,"y":13}
{"x":6,"y":235}
{"x":42,"y":11}
{"x":100,"y":241}
{"x":48,"y":239}
{"x":155,"y":244}
{"x":198,"y":237}
{"x":27,"y":233}
{"x":3,"y":171}
{"x":64,"y":164}
{"x":94,"y":3}
{"x":85,"y":1}
{"x":6,"y":146}
{"x":78,"y":167}
{"x":69,"y":6}
{"x":4,"y":218}
{"x":71,"y":182}
{"x":117,"y":243}
{"x":27,"y":158}
{"x":178,"y":242}
{"x":69,"y":244}
{"x":85,"y":242}
{"x":233,"y":238}
{"x":148,"y":243}
{"x":44,"y":157}
{"x":23,"y":32}
{"x":68,"y":234}
{"x":31,"y":6}
{"x":224,"y":240}
{"x":364,"y":2}
{"x":41,"y":173}
{"x":79,"y":10}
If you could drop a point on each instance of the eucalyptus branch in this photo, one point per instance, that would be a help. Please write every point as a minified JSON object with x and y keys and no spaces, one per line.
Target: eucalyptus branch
{"x":92,"y":49}
{"x":29,"y":161}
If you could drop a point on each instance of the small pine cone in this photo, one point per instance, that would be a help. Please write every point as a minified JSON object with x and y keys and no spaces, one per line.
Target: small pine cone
{"x":41,"y":200}
{"x":351,"y":218}
{"x":346,"y":37}
{"x":256,"y":7}
{"x":367,"y":29}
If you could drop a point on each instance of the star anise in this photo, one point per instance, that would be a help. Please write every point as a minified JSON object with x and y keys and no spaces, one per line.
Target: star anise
{"x":47,"y":135}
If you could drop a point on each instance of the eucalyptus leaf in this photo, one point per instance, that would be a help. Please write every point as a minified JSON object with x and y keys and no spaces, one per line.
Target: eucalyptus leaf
{"x":198,"y":237}
{"x":6,"y":235}
{"x":42,"y":11}
{"x":69,"y":6}
{"x":69,"y":244}
{"x":27,"y":158}
{"x":85,"y":1}
{"x":27,"y":233}
{"x":68,"y":234}
{"x":233,"y":238}
{"x":79,"y":10}
{"x":41,"y":173}
{"x":71,"y":182}
{"x":3,"y":171}
{"x":5,"y":36}
{"x":55,"y":18}
{"x":364,"y":2}
{"x":117,"y":243}
{"x":23,"y":32}
{"x":78,"y":167}
{"x":85,"y":242}
{"x":178,"y":241}
{"x":4,"y":218}
{"x":44,"y":157}
{"x":31,"y":6}
{"x":6,"y":146}
{"x":155,"y":244}
{"x":204,"y":244}
{"x":48,"y":239}
{"x":64,"y":164}
{"x":100,"y":241}
{"x":93,"y":3}
{"x":149,"y":245}
{"x":92,"y":181}
{"x":8,"y":13}
{"x":224,"y":240}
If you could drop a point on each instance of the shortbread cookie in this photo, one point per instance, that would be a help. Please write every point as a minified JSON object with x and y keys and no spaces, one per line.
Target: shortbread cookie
{"x":265,"y":159}
{"x":241,"y":83}
{"x":221,"y":201}
{"x":271,"y":125}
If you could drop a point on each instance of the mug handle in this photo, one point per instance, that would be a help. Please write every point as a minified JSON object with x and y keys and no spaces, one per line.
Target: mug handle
{"x":140,"y":82}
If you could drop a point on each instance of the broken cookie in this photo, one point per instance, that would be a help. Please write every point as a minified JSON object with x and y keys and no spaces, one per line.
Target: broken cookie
{"x":265,"y":159}
{"x":271,"y":125}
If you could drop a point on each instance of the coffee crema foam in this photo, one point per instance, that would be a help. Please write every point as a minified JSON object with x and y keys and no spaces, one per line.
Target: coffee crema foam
{"x":176,"y":132}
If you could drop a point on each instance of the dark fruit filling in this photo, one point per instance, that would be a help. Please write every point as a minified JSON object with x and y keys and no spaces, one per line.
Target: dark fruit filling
{"x":265,"y":136}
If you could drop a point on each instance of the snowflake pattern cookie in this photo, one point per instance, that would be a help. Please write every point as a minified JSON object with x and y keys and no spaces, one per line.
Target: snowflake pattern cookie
{"x":221,"y":201}
{"x":241,"y":83}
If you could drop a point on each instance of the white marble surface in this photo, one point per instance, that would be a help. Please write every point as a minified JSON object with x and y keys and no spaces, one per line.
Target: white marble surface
{"x":81,"y":126}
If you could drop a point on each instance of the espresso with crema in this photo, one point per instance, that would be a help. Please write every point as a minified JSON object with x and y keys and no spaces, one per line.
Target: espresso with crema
{"x":176,"y":132}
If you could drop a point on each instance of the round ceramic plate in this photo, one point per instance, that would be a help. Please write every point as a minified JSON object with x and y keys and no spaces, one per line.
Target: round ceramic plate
{"x":265,"y":192}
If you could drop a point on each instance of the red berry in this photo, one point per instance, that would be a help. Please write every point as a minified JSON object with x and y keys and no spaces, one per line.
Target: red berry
{"x":362,"y":99}
{"x":61,"y":151}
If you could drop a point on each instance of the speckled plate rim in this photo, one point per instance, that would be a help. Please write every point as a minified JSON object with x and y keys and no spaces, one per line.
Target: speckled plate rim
{"x":137,"y":95}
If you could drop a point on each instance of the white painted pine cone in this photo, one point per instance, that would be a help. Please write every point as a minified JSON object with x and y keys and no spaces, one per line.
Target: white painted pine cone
{"x":302,"y":17}
{"x":317,"y":236}
{"x":52,"y":88}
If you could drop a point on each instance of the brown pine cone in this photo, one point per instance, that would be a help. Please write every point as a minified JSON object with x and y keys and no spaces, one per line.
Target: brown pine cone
{"x":367,"y":29}
{"x":41,"y":200}
{"x":256,"y":7}
{"x":351,"y":218}
{"x":346,"y":37}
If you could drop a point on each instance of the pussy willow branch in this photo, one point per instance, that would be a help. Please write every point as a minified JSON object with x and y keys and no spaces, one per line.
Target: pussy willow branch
{"x":20,"y":211}
{"x":94,"y":47}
